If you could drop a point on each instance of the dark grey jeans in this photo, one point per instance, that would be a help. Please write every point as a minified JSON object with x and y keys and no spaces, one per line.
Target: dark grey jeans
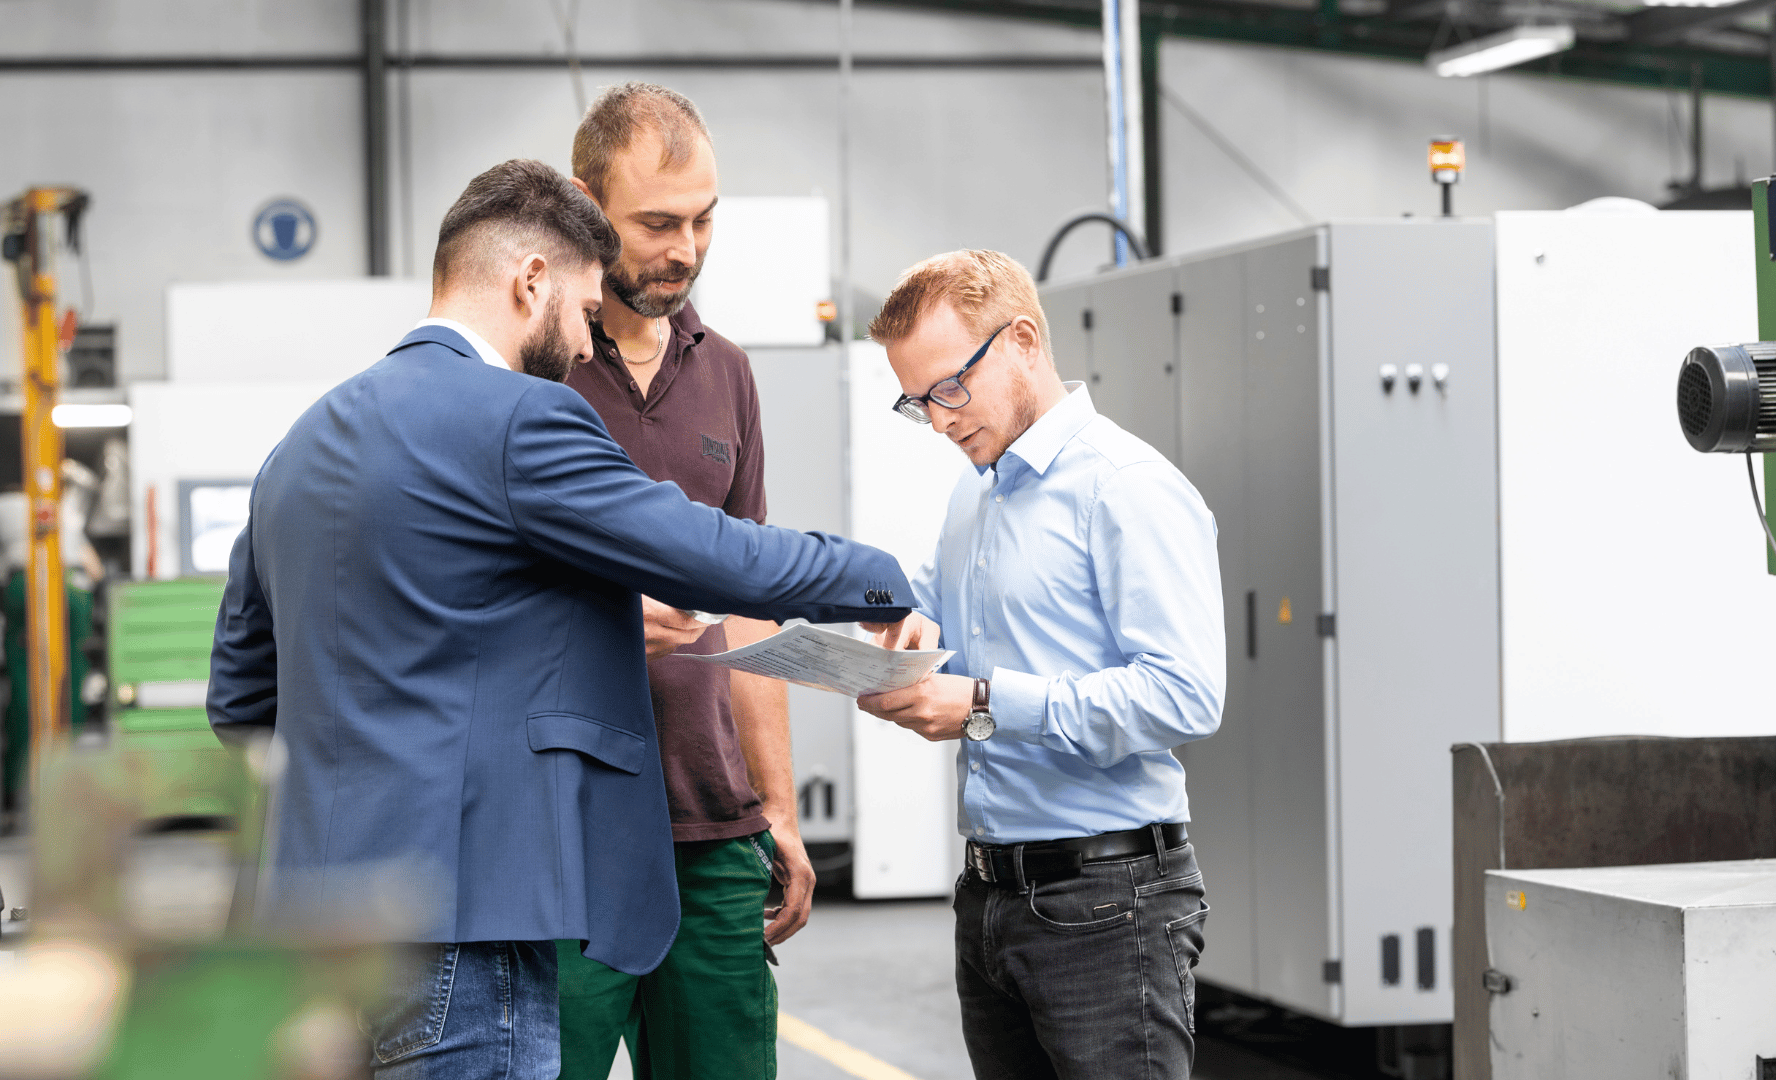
{"x":1088,"y":978}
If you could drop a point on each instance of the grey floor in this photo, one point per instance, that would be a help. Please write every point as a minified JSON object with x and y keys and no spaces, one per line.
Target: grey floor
{"x":875,"y":975}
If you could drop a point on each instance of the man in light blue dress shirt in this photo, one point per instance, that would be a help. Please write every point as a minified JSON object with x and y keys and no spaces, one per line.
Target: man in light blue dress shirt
{"x":1076,"y":578}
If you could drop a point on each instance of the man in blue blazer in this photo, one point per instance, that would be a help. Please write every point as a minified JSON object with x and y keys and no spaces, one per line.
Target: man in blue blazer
{"x":435,"y":607}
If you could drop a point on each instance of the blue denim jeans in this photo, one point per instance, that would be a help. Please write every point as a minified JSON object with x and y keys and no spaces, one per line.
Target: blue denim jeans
{"x":1086,"y":978}
{"x":478,"y":1010}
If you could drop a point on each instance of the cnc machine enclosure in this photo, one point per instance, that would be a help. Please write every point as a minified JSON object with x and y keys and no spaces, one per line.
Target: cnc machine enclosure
{"x":1519,"y":553}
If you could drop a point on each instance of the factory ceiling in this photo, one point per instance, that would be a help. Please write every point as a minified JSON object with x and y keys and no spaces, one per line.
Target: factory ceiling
{"x":1726,"y":48}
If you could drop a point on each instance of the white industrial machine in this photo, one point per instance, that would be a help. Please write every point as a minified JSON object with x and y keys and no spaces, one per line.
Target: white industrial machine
{"x":1452,"y":508}
{"x":1633,"y":971}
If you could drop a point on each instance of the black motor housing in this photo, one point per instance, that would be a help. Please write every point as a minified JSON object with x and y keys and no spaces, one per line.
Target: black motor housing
{"x":1726,"y":398}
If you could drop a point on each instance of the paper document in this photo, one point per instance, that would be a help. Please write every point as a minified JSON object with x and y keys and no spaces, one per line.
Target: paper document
{"x":827,"y":660}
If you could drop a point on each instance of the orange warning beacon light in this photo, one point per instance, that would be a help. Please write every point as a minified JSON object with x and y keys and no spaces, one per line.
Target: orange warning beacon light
{"x":1447,"y":158}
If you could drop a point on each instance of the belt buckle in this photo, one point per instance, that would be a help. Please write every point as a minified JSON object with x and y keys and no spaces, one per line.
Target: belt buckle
{"x":980,"y":862}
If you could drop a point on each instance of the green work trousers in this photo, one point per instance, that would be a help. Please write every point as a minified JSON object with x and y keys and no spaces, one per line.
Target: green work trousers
{"x":710,"y":1008}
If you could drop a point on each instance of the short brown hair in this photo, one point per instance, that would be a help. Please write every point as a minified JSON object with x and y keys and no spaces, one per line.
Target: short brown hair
{"x":521,"y":204}
{"x":621,"y":113}
{"x":987,"y":288}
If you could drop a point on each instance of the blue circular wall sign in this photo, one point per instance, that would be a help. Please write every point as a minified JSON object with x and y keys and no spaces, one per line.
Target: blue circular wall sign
{"x":284,"y":230}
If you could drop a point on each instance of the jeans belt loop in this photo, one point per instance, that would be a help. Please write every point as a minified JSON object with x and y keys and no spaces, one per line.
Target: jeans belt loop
{"x":1017,"y":862}
{"x":1159,"y":847}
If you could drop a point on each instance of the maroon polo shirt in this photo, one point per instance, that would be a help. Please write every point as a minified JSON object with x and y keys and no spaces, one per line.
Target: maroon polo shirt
{"x":698,"y":427}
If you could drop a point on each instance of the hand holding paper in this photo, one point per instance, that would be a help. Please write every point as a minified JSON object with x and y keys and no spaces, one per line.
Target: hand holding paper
{"x":827,"y":660}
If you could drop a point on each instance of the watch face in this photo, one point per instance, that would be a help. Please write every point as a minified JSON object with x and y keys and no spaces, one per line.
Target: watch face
{"x":979,"y":726}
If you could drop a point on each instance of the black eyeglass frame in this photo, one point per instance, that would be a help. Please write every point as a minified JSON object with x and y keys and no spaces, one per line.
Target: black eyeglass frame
{"x":918,"y":409}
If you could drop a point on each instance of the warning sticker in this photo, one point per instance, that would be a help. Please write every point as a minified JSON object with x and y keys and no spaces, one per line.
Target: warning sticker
{"x":1516,"y":901}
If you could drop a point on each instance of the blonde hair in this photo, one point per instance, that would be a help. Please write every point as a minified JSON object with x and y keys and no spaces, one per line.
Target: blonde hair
{"x":986,"y":288}
{"x":623,"y":112}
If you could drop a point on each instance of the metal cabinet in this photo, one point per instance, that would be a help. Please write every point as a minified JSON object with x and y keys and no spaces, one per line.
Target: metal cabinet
{"x":1358,"y":550}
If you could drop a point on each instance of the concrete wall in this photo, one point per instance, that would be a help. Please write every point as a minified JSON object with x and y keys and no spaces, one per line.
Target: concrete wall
{"x":1347,"y":138}
{"x":178,"y":163}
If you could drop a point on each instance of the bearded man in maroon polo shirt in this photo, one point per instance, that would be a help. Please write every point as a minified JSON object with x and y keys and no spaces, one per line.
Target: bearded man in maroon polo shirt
{"x":680,"y":399}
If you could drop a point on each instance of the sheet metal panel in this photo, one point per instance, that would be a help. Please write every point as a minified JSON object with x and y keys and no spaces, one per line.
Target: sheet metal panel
{"x":1133,"y":357}
{"x":1211,"y":421}
{"x":1283,"y":547}
{"x":1068,"y":310}
{"x":1417,"y":620}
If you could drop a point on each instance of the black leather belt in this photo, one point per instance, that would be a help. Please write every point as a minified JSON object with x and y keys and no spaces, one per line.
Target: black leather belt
{"x":1014,"y":866}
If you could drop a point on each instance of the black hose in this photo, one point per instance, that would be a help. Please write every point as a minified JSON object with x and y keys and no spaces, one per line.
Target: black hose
{"x":1134,"y":239}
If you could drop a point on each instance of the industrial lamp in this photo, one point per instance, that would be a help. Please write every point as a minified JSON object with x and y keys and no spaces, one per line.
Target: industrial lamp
{"x":1518,"y":45}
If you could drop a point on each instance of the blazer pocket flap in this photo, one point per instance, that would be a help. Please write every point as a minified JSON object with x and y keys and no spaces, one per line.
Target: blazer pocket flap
{"x":623,"y":750}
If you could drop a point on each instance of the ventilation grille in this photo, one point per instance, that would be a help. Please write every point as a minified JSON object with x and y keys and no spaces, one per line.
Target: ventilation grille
{"x":1695,"y":399}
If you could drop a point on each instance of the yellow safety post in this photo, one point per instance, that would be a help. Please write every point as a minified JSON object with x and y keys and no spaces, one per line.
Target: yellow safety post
{"x":31,"y":243}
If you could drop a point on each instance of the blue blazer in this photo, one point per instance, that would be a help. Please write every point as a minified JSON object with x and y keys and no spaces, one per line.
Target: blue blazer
{"x":435,"y":603}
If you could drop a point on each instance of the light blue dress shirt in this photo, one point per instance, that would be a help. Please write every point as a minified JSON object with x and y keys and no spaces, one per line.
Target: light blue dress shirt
{"x":1080,"y":575}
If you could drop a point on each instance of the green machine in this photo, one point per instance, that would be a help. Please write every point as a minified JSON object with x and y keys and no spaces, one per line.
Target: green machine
{"x":203,"y":1005}
{"x":160,"y":635}
{"x":1726,"y":394}
{"x":15,"y":761}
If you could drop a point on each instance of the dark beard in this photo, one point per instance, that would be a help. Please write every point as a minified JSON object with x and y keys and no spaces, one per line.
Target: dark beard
{"x":632,"y":290}
{"x":547,"y":355}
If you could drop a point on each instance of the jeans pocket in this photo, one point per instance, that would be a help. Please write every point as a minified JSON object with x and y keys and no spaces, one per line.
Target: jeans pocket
{"x":1185,"y":935}
{"x":412,"y":1017}
{"x":1095,"y":900}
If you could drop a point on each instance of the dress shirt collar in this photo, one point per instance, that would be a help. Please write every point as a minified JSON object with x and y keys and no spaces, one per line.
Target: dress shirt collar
{"x":1042,"y":441}
{"x":489,"y":355}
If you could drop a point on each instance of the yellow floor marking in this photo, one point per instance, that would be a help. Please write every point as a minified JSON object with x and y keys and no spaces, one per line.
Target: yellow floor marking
{"x":849,"y":1058}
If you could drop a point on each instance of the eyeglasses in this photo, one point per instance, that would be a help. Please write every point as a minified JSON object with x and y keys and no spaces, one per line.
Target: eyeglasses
{"x":950,"y":393}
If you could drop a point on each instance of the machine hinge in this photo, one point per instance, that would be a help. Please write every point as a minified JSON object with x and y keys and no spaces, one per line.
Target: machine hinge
{"x":1321,"y":277}
{"x":1085,"y":318}
{"x":1177,"y":303}
{"x":1328,"y":624}
{"x":1332,"y":971}
{"x":1495,"y":981}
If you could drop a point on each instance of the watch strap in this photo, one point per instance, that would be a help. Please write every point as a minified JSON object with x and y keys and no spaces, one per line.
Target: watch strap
{"x":982,"y":694}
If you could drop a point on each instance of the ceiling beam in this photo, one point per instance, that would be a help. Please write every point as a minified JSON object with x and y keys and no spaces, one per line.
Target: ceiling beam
{"x":1664,"y":25}
{"x":1629,"y":62}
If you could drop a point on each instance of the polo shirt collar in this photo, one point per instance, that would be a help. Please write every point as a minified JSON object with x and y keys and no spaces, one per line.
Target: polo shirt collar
{"x":1042,"y":441}
{"x":488,"y":354}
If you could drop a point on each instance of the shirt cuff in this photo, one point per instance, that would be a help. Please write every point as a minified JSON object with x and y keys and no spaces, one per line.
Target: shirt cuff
{"x":1019,"y":703}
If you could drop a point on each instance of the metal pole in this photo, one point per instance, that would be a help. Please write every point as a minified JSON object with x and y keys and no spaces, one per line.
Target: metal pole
{"x":376,"y":148}
{"x":1134,"y":164}
{"x":1115,"y":127}
{"x":1695,"y":128}
{"x":847,"y":304}
{"x":404,"y":106}
{"x":1152,"y":190}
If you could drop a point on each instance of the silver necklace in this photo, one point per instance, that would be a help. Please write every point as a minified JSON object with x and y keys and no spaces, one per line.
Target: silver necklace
{"x":659,"y":346}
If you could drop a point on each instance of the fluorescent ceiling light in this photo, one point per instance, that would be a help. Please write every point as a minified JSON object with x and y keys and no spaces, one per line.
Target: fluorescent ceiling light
{"x":1518,"y":45}
{"x":1689,"y":3}
{"x":90,"y":416}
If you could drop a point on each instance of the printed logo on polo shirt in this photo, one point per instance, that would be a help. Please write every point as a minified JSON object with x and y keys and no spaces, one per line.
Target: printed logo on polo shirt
{"x":717,"y":449}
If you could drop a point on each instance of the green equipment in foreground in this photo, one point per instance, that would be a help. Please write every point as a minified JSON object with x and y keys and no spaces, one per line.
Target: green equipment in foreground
{"x":160,"y":635}
{"x":1726,"y":394}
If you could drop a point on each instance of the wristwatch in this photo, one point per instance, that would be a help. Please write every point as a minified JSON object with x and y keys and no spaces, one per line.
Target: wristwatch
{"x":979,"y":725}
